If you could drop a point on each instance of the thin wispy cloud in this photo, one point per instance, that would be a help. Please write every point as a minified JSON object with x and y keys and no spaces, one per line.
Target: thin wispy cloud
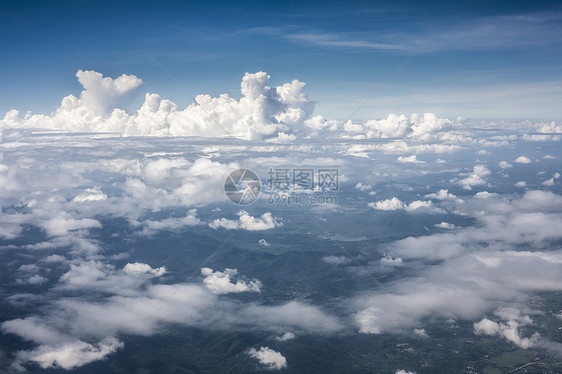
{"x":488,"y":33}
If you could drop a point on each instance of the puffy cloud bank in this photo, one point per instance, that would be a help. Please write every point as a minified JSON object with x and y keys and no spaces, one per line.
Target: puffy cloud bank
{"x":280,"y":114}
{"x":262,"y":110}
{"x":86,"y":220}
{"x":221,"y":282}
{"x":397,"y":204}
{"x":478,"y":269}
{"x":247,"y":222}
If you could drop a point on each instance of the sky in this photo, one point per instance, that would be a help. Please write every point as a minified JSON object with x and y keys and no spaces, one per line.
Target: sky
{"x":441,"y":121}
{"x":477,"y":60}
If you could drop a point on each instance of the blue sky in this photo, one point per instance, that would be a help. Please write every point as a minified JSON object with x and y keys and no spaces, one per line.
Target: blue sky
{"x":479,"y":60}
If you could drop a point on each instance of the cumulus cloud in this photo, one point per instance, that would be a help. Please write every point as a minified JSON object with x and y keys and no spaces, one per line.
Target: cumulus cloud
{"x":445,"y":225}
{"x":70,"y":355}
{"x":286,"y":336}
{"x":477,"y":178}
{"x":532,"y":219}
{"x":443,"y":194}
{"x":363,"y":187}
{"x":421,"y":332}
{"x":505,"y":165}
{"x":409,"y":159}
{"x":68,"y":186}
{"x":220,"y":282}
{"x":138,"y":268}
{"x":522,"y":160}
{"x":264,"y":243}
{"x":390,"y":261}
{"x":396,"y":204}
{"x":139,"y":307}
{"x":103,"y":277}
{"x":508,"y":329}
{"x":276,"y":114}
{"x":152,"y":226}
{"x":548,"y":182}
{"x":484,"y":195}
{"x":33,"y":279}
{"x":388,"y":204}
{"x":90,"y":194}
{"x":262,"y":110}
{"x":247,"y":222}
{"x":62,"y":225}
{"x":100,"y":92}
{"x":269,"y":358}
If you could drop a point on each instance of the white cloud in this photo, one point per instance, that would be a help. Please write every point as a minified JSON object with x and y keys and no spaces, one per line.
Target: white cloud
{"x":390,"y":261}
{"x":336,"y":260}
{"x":264,"y":243}
{"x":445,"y":225}
{"x":70,"y":355}
{"x":103,"y":277}
{"x":61,"y":225}
{"x":410,"y":159}
{"x":247,"y":222}
{"x":484,"y":195}
{"x":548,"y":182}
{"x":396,"y":204}
{"x":262,"y":110}
{"x":139,"y":268}
{"x":91,"y":194}
{"x":509,"y":329}
{"x":10,"y":231}
{"x":28,"y":268}
{"x":162,"y":169}
{"x":477,"y":178}
{"x":421,"y":332}
{"x":32,"y":329}
{"x":34,"y":280}
{"x":286,"y":336}
{"x":101,"y":92}
{"x":151,"y":226}
{"x":155,"y":184}
{"x":419,"y":204}
{"x":53,"y":259}
{"x":505,"y":165}
{"x":269,"y":358}
{"x":401,"y":371}
{"x":221,"y":282}
{"x":487,"y":327}
{"x":138,"y":307}
{"x":532,"y":219}
{"x":520,"y":184}
{"x":276,"y":114}
{"x":388,"y":204}
{"x":443,"y":194}
{"x":363,"y":187}
{"x":522,"y":160}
